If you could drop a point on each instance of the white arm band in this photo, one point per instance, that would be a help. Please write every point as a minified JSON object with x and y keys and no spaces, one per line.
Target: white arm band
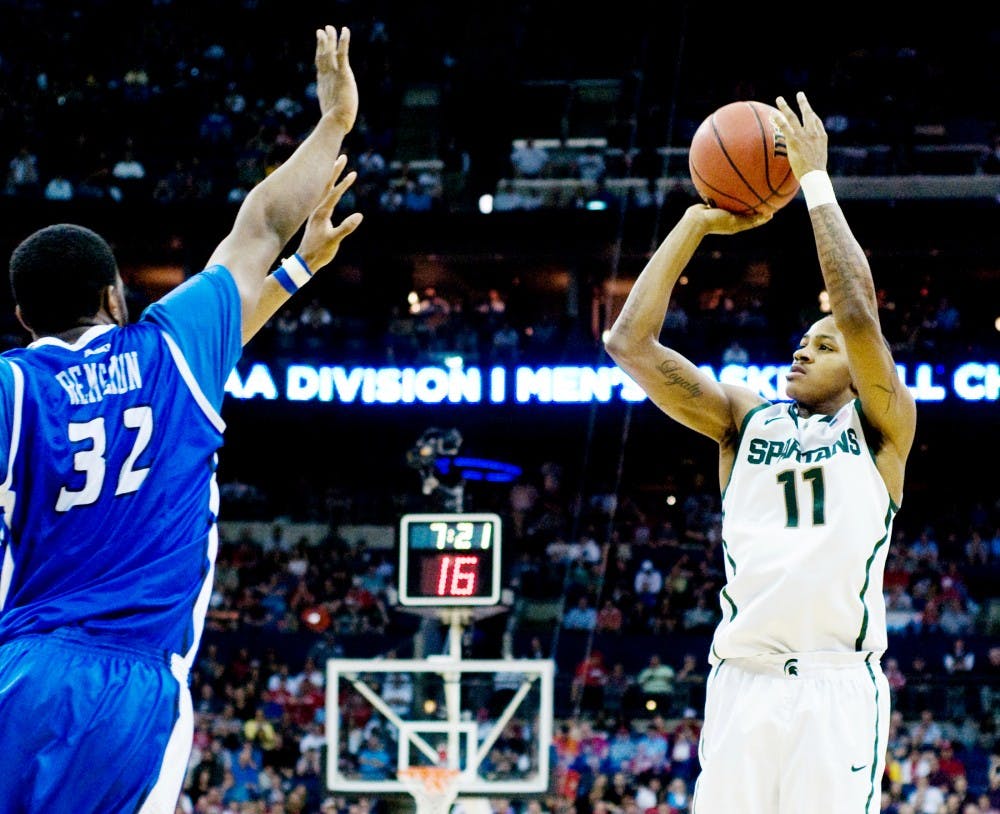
{"x":817,"y":189}
{"x":293,"y":273}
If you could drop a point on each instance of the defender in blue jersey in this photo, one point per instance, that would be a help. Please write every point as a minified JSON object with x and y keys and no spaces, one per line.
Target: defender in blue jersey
{"x":797,"y":706}
{"x":109,"y":437}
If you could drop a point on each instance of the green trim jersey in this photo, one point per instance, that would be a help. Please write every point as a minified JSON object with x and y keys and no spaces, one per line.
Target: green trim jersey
{"x":806,"y":527}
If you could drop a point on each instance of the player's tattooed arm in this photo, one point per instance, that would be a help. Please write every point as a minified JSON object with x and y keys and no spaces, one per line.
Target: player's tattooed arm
{"x":674,"y":377}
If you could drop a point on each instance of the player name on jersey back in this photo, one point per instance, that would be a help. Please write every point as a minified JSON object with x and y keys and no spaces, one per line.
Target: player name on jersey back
{"x":90,"y":382}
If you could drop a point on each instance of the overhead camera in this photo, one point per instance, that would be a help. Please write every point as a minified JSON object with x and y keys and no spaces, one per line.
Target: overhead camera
{"x":433,"y":444}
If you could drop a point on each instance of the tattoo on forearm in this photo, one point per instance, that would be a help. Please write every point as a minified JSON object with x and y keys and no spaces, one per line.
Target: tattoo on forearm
{"x":845,"y":269}
{"x":673,"y":376}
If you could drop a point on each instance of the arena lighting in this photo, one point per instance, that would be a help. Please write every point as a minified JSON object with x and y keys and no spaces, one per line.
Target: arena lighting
{"x":482,"y":469}
{"x":453,"y":384}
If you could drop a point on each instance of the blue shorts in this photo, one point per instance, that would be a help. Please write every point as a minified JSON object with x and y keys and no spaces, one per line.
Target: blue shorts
{"x":86,"y":726}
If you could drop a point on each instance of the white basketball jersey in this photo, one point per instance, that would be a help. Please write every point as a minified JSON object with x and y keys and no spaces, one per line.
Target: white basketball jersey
{"x":806,"y":529}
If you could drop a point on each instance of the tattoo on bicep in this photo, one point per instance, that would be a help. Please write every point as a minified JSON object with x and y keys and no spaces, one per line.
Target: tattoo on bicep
{"x":889,"y":396}
{"x":674,"y":376}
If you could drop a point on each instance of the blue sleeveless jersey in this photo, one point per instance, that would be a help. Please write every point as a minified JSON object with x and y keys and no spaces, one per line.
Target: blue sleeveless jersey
{"x":108,"y":452}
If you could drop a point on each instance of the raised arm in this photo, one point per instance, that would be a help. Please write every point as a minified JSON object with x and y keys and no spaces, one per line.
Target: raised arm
{"x":278,"y":206}
{"x":319,"y":245}
{"x":886,"y":401}
{"x":672,"y":382}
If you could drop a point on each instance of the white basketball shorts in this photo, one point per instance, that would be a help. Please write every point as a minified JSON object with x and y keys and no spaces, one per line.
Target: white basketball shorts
{"x":794,"y":733}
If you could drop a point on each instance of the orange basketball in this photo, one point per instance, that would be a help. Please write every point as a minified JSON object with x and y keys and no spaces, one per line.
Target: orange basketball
{"x":738,"y":160}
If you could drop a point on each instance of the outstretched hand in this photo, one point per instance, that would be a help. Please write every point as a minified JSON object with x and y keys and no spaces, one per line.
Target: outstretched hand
{"x":806,"y":139}
{"x":321,"y":239}
{"x":336,"y":87}
{"x":716,"y":221}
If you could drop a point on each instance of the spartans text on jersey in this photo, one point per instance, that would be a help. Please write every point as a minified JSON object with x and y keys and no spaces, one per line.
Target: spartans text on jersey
{"x":764,"y":451}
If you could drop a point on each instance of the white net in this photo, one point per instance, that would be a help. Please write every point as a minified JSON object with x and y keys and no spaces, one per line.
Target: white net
{"x":434,"y":788}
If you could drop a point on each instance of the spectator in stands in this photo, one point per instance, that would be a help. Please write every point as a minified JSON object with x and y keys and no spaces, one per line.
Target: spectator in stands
{"x":921,"y":683}
{"x":684,"y":748}
{"x":963,"y":799}
{"x":925,"y":797}
{"x":590,"y":551}
{"x":374,"y":761}
{"x":493,"y":306}
{"x":949,"y":764}
{"x":505,"y":347}
{"x":371,"y":166}
{"x":529,"y":160}
{"x":59,"y":188}
{"x":656,"y":685}
{"x":649,"y":789}
{"x":976,"y":550}
{"x":954,"y":619}
{"x":926,"y":732}
{"x":689,"y":683}
{"x":589,"y":164}
{"x":22,"y":173}
{"x":130,"y":174}
{"x":245,"y":765}
{"x":580,"y":617}
{"x":959,"y":666}
{"x":735,"y":354}
{"x":619,"y":690}
{"x":589,"y":681}
{"x":678,"y":798}
{"x":398,"y":692}
{"x":261,"y":732}
{"x":898,"y":607}
{"x":417,"y":197}
{"x":700,"y":618}
{"x":896,"y":679}
{"x":391,"y":198}
{"x":652,"y":747}
{"x":621,"y":751}
{"x":610,"y":618}
{"x":925,"y":547}
{"x":647,"y":583}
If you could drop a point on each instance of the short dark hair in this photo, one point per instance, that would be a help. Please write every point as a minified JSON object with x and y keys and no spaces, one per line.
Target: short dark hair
{"x":57,"y":275}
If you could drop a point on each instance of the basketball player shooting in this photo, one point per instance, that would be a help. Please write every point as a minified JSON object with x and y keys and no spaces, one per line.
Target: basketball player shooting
{"x":109,"y":435}
{"x":797,"y":706}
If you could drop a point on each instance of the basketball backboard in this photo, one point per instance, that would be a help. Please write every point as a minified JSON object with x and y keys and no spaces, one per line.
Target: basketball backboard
{"x":489,"y":719}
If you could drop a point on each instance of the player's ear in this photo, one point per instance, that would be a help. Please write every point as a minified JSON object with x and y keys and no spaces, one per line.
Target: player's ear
{"x":20,"y":318}
{"x":113,"y":303}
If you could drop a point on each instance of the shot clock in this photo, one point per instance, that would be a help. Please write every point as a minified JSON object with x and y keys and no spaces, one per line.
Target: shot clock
{"x":449,"y":560}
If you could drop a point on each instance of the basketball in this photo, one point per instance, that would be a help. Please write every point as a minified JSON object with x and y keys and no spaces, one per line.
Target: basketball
{"x":738,"y":160}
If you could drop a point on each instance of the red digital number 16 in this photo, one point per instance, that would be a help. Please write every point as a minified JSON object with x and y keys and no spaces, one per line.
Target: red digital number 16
{"x":461,"y":581}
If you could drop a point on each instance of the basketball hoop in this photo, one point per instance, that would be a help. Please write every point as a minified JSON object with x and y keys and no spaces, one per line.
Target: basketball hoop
{"x":433,"y":787}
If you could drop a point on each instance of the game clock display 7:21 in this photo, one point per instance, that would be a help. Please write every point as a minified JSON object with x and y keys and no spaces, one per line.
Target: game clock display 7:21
{"x":449,"y":560}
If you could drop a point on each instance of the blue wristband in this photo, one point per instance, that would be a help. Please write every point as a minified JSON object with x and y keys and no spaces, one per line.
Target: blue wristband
{"x":293,"y":273}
